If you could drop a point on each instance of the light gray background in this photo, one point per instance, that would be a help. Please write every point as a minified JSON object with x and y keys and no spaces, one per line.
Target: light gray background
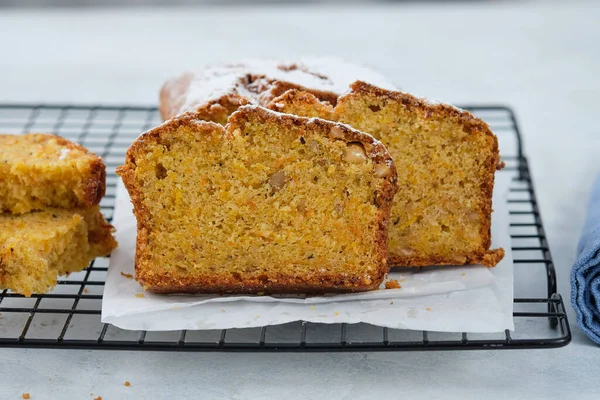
{"x":542,"y":58}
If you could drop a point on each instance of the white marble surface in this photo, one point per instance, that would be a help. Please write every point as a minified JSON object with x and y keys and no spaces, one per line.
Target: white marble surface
{"x":542,"y":58}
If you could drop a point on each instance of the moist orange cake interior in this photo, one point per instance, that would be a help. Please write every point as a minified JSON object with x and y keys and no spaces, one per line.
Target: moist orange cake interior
{"x":446,"y":160}
{"x":269,"y":203}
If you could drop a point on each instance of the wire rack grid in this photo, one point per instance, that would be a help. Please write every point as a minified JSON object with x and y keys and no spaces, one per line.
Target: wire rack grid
{"x":69,"y":316}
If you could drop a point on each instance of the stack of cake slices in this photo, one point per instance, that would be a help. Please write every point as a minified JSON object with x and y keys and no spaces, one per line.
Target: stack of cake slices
{"x":305,"y":177}
{"x":50,"y":220}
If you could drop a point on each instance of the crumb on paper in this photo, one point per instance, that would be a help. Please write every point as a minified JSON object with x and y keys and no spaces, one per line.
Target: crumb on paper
{"x":26,"y":396}
{"x":391,"y":302}
{"x":175,"y":308}
{"x":428,"y":309}
{"x":392,"y":284}
{"x":128,"y":276}
{"x":222,"y":310}
{"x":258,"y":316}
{"x":312,"y":307}
{"x":401,"y":280}
{"x":336,"y":313}
{"x":139,"y":295}
{"x":127,"y":383}
{"x":98,"y":398}
{"x":463,"y":274}
{"x":85,"y":290}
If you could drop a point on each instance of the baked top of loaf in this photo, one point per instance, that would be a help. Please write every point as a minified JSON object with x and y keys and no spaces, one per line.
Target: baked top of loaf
{"x":217,"y":91}
{"x":37,"y":247}
{"x":270,"y":203}
{"x":446,"y":160}
{"x":41,"y":170}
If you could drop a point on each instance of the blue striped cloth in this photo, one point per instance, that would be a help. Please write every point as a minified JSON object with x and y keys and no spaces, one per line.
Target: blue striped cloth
{"x":585,"y":275}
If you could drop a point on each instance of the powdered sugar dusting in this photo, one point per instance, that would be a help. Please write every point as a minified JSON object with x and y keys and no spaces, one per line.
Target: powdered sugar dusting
{"x":434,"y":102}
{"x":63,"y":153}
{"x":251,"y":78}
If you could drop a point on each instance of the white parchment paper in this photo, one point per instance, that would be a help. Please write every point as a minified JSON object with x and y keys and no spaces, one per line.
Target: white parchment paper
{"x":450,"y":299}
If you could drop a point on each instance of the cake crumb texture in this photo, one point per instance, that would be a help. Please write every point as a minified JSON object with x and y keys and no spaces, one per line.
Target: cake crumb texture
{"x":42,"y":170}
{"x":269,"y":203}
{"x":446,"y":160}
{"x":37,"y":247}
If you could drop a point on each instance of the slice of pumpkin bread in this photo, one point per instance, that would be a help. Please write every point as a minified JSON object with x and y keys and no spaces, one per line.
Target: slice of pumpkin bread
{"x":270,"y":203}
{"x":446,"y":160}
{"x":41,"y":170}
{"x":37,"y":247}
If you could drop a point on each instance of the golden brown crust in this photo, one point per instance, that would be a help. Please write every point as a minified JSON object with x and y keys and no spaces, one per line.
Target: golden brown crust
{"x":293,"y":101}
{"x":94,"y":187}
{"x":100,"y":232}
{"x":169,"y":283}
{"x":470,"y":123}
{"x":323,"y":286}
{"x":489,"y":258}
{"x":278,"y":88}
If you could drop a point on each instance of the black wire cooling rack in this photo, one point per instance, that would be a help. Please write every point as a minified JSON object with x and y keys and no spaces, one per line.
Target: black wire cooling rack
{"x":69,"y":316}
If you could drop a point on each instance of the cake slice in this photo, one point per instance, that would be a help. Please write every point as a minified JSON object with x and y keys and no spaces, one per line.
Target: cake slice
{"x":217,"y":91}
{"x":37,"y":247}
{"x":446,"y":160}
{"x":270,"y":203}
{"x":41,"y":170}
